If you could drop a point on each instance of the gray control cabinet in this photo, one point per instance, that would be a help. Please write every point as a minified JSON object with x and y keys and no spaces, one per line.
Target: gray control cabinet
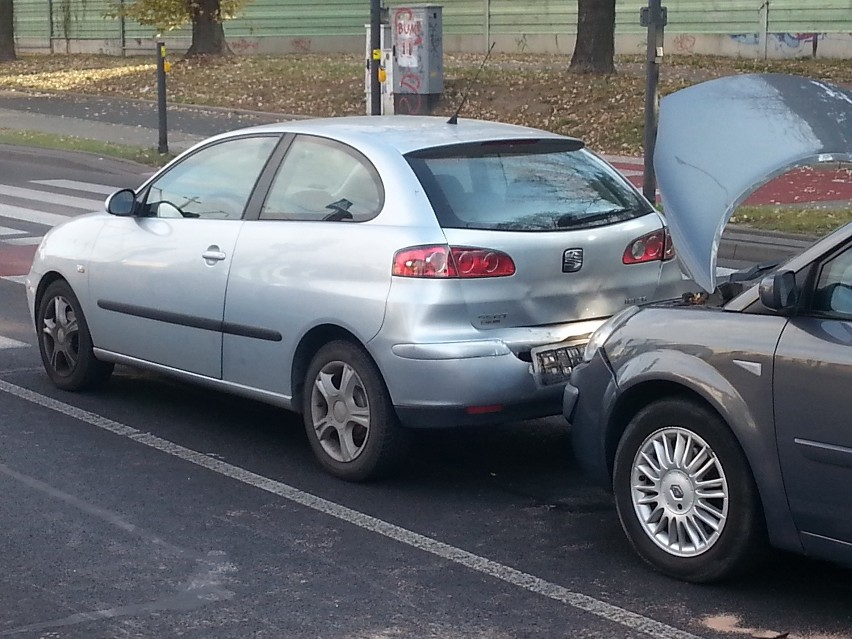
{"x":418,"y":52}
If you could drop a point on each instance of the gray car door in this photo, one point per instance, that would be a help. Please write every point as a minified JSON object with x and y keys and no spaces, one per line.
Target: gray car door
{"x":159,"y":278}
{"x":813,"y":404}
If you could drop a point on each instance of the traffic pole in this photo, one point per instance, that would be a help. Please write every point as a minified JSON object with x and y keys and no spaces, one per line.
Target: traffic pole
{"x":654,"y":17}
{"x":375,"y":56}
{"x":163,"y":144}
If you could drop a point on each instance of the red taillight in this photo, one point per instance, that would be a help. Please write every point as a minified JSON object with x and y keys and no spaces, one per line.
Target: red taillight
{"x":440,"y":261}
{"x":648,"y":248}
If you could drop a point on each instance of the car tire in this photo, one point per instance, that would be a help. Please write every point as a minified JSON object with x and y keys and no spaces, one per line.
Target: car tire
{"x":685,"y":494}
{"x":349,"y":418}
{"x":65,"y":343}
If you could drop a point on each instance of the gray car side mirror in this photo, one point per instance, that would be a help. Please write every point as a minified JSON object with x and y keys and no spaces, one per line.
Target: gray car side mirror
{"x":121,"y":203}
{"x":778,"y":291}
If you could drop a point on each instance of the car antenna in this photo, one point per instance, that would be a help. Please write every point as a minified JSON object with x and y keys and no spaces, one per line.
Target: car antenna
{"x":455,"y":117}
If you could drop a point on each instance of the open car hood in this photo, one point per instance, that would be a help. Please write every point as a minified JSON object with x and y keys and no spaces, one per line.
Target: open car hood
{"x":720,"y":140}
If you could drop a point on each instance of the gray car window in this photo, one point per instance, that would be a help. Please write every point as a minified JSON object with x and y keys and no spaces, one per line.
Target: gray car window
{"x":321,"y":179}
{"x":215,"y":182}
{"x":834,"y":286}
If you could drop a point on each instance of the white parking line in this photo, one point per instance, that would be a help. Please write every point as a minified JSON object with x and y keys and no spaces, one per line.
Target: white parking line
{"x":74,"y":185}
{"x":485,"y":566}
{"x":8,"y":342}
{"x":6,"y":231}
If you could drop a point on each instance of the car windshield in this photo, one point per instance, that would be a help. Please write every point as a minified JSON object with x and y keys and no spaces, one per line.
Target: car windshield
{"x":524,"y":185}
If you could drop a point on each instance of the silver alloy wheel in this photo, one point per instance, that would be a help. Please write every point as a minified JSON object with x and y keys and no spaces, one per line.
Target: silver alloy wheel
{"x":61,"y":336}
{"x":340,"y":411}
{"x":679,"y":492}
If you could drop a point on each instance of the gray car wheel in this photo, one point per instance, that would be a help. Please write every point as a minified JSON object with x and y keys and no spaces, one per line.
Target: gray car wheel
{"x":65,"y":343}
{"x":350,"y":421}
{"x":685,"y":494}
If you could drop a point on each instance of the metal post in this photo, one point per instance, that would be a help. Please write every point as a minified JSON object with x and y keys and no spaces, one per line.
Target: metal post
{"x":654,"y":17}
{"x":375,"y":56}
{"x":163,"y":144}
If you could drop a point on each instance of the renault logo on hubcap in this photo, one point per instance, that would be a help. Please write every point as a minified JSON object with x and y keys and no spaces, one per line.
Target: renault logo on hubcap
{"x":677,"y":492}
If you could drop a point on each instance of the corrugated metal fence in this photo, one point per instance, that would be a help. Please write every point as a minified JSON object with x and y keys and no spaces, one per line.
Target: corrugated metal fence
{"x":52,"y":21}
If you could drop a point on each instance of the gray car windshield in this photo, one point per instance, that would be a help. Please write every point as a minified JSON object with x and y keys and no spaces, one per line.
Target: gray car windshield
{"x":524,"y":185}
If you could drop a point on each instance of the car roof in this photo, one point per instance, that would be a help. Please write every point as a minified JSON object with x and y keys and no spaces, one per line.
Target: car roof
{"x":403,"y":133}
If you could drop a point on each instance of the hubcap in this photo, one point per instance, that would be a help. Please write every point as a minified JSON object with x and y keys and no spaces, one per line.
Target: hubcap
{"x":340,"y":411}
{"x":61,"y":336}
{"x":679,"y":492}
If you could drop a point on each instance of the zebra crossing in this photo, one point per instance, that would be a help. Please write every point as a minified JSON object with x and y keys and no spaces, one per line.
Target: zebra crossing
{"x":28,"y":211}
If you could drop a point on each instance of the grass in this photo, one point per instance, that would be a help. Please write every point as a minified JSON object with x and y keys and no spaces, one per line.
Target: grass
{"x":141,"y":155}
{"x":787,"y":219}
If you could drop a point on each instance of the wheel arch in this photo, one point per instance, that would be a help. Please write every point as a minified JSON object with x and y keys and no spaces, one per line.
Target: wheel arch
{"x":46,"y":280}
{"x":311,"y":342}
{"x":694,"y":379}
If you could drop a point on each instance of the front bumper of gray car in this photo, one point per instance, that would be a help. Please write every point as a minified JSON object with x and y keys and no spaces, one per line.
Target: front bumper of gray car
{"x":585,"y":403}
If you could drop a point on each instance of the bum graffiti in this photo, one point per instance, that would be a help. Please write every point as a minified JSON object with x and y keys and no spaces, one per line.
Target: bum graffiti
{"x":409,"y":38}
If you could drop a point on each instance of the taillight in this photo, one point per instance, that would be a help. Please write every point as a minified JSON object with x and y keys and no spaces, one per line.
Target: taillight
{"x":442,"y":261}
{"x":648,"y":248}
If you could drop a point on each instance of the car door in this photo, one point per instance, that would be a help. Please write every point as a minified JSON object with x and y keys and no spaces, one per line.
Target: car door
{"x":158,"y":279}
{"x":312,"y":257}
{"x":813,"y":404}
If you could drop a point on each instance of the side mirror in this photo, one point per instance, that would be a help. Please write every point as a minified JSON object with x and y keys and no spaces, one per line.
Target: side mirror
{"x":778,"y":291}
{"x":121,"y":203}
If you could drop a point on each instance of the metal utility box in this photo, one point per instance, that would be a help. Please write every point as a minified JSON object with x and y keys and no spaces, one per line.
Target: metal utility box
{"x":418,"y":52}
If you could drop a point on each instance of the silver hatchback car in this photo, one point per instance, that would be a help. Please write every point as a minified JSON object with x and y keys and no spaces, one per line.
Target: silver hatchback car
{"x":370,"y":273}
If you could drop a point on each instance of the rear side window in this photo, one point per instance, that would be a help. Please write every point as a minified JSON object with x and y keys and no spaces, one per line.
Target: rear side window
{"x":524,"y":185}
{"x":324,"y":180}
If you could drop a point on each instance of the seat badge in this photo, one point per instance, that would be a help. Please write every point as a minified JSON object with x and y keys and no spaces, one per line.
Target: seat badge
{"x":572,"y":260}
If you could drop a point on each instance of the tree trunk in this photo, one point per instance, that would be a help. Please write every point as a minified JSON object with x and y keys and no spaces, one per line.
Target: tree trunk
{"x":595,"y":47}
{"x":7,"y":31}
{"x":208,"y":35}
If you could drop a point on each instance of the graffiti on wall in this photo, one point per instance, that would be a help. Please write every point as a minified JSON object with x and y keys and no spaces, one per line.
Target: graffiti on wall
{"x":409,"y":38}
{"x":788,"y":40}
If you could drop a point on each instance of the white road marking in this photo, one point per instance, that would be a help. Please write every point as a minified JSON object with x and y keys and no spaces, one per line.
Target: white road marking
{"x":17,"y":279}
{"x":5,"y":231}
{"x":8,"y":342}
{"x":24,"y":241}
{"x":74,"y":185}
{"x":52,"y":198}
{"x":485,"y":566}
{"x":32,"y":215}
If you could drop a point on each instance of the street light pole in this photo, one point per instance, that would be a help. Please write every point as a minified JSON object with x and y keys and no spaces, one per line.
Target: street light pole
{"x":654,"y":17}
{"x":375,"y":56}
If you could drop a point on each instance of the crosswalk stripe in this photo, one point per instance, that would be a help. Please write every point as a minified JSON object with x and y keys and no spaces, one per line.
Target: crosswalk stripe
{"x":7,"y":342}
{"x":24,"y":241}
{"x":74,"y":185}
{"x":32,"y":215}
{"x":51,"y":198}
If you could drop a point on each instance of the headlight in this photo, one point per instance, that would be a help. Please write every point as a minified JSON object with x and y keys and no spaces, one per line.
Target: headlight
{"x":601,"y":335}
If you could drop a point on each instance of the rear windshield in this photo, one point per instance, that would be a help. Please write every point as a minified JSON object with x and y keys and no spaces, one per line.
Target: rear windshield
{"x":523,"y":185}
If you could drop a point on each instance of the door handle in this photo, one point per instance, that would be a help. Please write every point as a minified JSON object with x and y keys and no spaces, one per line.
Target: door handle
{"x":213,"y":254}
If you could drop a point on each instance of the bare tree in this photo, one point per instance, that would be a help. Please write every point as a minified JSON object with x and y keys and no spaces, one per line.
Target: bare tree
{"x":7,"y":31}
{"x":594,"y":50}
{"x":208,"y":34}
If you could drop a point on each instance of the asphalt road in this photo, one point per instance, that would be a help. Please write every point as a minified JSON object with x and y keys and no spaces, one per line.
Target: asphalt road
{"x":156,"y":509}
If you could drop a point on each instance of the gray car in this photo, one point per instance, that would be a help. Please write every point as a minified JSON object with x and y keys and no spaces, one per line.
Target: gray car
{"x":722,"y":422}
{"x":370,"y":273}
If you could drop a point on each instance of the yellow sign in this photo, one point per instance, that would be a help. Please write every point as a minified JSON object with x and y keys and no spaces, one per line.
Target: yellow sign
{"x":377,"y":54}
{"x":167,"y":66}
{"x":163,"y":51}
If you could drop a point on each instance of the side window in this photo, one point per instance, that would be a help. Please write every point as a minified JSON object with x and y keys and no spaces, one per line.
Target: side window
{"x":834,"y":287}
{"x":321,"y":179}
{"x":215,"y":182}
